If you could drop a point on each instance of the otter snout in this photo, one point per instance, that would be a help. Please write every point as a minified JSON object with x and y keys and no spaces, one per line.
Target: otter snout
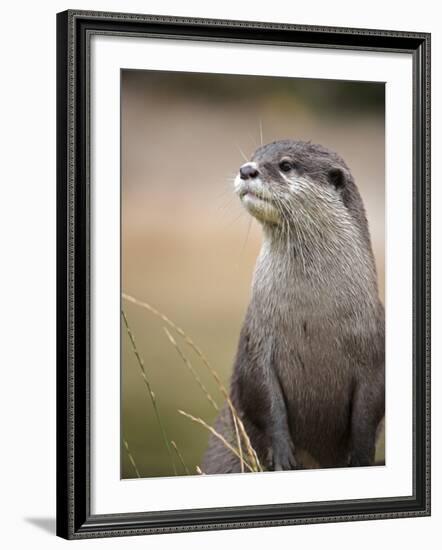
{"x":255,"y":195}
{"x":248,"y":170}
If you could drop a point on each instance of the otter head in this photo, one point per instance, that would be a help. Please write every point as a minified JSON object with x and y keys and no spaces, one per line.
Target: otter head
{"x":296,"y":183}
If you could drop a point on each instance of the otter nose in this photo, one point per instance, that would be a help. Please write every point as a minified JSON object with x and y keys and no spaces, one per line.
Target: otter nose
{"x":247,"y":171}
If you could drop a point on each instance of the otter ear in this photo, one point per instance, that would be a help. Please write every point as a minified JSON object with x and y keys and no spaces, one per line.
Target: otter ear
{"x":337,"y":177}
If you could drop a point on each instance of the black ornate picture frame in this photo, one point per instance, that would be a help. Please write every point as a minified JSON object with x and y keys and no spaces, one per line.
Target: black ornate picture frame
{"x":74,"y":31}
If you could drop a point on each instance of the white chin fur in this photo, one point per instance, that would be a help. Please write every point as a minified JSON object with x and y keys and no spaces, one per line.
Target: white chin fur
{"x":260,"y":209}
{"x":237,"y":184}
{"x":257,"y":207}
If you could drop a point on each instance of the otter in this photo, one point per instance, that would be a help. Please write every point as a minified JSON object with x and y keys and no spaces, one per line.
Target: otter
{"x":308,"y":379}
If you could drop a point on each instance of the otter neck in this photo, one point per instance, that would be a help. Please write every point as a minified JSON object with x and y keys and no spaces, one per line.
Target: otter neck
{"x":338,"y":262}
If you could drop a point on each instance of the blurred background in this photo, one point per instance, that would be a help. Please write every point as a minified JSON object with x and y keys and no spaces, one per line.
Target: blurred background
{"x":188,"y":247}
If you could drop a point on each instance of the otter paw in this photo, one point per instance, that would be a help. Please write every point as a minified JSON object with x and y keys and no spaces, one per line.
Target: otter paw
{"x":284,"y":456}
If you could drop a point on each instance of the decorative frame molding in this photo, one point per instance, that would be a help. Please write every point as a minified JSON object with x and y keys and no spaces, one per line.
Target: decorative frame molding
{"x":74,"y":30}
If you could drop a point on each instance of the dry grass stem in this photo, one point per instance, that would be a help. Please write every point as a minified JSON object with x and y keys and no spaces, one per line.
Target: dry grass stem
{"x":238,"y":442}
{"x":180,"y":457}
{"x":250,"y":450}
{"x":218,"y":435}
{"x":149,"y":389}
{"x":199,"y":471}
{"x":131,"y":458}
{"x":192,"y":370}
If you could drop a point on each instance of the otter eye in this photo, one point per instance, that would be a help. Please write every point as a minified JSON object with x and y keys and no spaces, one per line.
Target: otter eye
{"x":285,"y":166}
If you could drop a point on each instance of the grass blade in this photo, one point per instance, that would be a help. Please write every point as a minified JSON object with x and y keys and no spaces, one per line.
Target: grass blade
{"x":250,"y":450}
{"x":192,"y":370}
{"x":131,"y":458}
{"x":149,"y":389}
{"x":216,"y":434}
{"x":180,"y":457}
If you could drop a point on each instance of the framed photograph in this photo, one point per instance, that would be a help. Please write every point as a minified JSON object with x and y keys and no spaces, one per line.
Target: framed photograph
{"x":243,"y":274}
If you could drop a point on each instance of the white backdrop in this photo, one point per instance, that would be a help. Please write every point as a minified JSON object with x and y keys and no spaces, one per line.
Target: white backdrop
{"x":27,"y":218}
